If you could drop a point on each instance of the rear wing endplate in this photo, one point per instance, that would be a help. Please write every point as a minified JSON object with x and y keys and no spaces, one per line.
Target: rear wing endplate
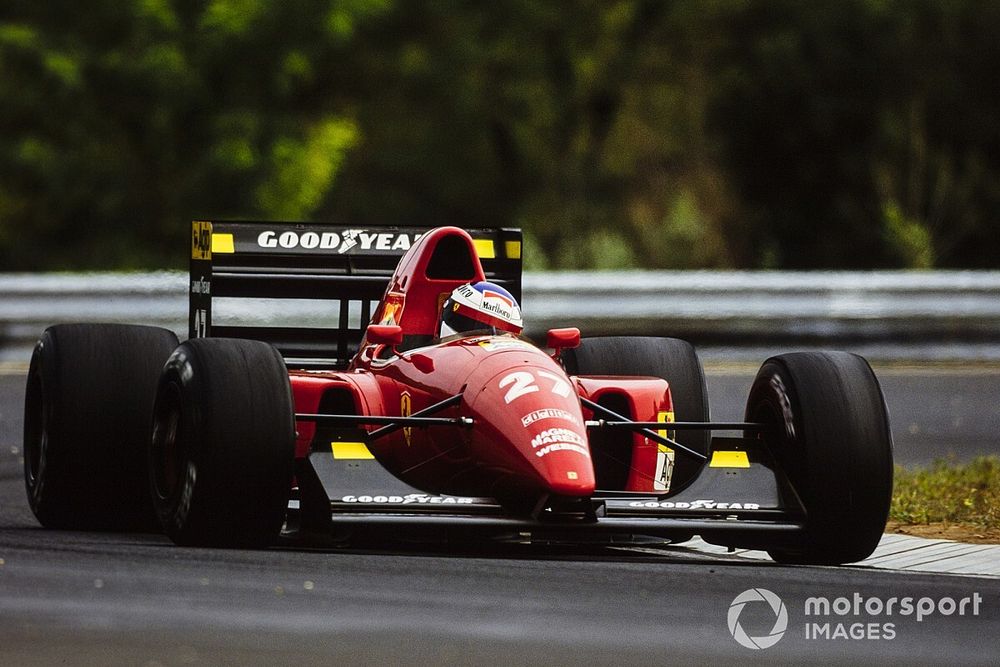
{"x":238,"y":269}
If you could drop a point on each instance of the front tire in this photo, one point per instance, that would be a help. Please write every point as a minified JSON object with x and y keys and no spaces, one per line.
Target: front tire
{"x":830,"y":435}
{"x":223,"y":444}
{"x":87,"y":413}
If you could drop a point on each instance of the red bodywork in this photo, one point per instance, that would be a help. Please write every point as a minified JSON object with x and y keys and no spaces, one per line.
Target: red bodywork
{"x":528,"y":439}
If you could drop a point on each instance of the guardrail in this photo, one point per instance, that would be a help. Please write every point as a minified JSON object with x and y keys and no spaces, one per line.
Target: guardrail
{"x":957,"y":313}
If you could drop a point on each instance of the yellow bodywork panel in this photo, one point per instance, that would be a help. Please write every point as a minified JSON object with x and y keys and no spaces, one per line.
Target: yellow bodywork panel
{"x":484,"y":248}
{"x":350,"y":450}
{"x":223,"y":244}
{"x":731,"y":459}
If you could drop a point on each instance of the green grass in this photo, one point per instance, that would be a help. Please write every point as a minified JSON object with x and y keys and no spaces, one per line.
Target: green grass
{"x":949,"y":492}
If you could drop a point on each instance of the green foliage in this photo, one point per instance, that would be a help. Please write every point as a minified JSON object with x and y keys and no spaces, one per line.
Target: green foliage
{"x":232,"y":17}
{"x":604,"y":249}
{"x":648,"y":133}
{"x":302,"y":171}
{"x":910,"y":239}
{"x":949,"y":492}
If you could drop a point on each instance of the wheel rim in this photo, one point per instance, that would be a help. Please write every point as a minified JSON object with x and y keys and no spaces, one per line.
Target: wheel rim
{"x":167,"y":449}
{"x":35,"y":433}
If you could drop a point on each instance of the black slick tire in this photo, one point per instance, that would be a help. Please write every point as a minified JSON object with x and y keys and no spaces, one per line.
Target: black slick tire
{"x":830,"y":435}
{"x":87,"y":415}
{"x":223,"y":445}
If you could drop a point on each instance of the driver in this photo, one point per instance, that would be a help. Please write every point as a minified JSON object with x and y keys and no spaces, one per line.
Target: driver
{"x":483,"y":306}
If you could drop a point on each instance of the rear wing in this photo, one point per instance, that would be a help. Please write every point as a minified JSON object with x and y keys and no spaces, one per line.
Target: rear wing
{"x":310,"y":289}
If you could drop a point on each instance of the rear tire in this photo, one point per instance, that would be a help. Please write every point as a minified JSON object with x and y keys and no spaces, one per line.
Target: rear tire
{"x":223,"y":444}
{"x":672,"y":359}
{"x":87,"y":412}
{"x":832,"y":440}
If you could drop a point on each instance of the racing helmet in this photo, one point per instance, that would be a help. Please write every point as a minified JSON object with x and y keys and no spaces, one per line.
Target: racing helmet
{"x":480,"y":306}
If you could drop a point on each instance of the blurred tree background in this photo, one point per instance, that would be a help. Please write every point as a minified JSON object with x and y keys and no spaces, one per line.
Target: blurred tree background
{"x":660,"y":134}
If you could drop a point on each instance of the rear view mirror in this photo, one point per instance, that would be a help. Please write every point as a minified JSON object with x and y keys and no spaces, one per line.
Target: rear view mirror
{"x":561,"y":339}
{"x":384,"y":334}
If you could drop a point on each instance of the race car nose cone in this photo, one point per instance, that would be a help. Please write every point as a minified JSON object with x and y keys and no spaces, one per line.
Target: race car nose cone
{"x":529,"y":423}
{"x":564,"y":459}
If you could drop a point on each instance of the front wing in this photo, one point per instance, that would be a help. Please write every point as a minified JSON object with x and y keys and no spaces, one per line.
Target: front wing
{"x":739,"y":499}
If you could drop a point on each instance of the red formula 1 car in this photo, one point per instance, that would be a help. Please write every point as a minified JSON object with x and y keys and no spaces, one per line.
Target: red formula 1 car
{"x":411,"y":405}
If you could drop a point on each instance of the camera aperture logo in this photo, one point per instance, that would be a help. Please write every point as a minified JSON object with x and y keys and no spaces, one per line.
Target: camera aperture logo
{"x":847,"y":617}
{"x":755,"y":595}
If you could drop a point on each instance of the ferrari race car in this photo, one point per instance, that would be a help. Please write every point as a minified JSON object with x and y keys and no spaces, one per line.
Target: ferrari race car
{"x":414,"y":408}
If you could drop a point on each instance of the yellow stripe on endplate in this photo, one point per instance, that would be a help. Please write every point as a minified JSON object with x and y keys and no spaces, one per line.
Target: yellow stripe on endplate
{"x":665,"y":456}
{"x":350,"y":450}
{"x":223,"y":244}
{"x":512,"y":249}
{"x":201,"y":240}
{"x":484,"y":248}
{"x":665,"y":417}
{"x":731,"y":459}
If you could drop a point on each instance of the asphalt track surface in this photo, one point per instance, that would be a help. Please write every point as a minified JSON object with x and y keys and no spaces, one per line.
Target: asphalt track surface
{"x":91,"y":598}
